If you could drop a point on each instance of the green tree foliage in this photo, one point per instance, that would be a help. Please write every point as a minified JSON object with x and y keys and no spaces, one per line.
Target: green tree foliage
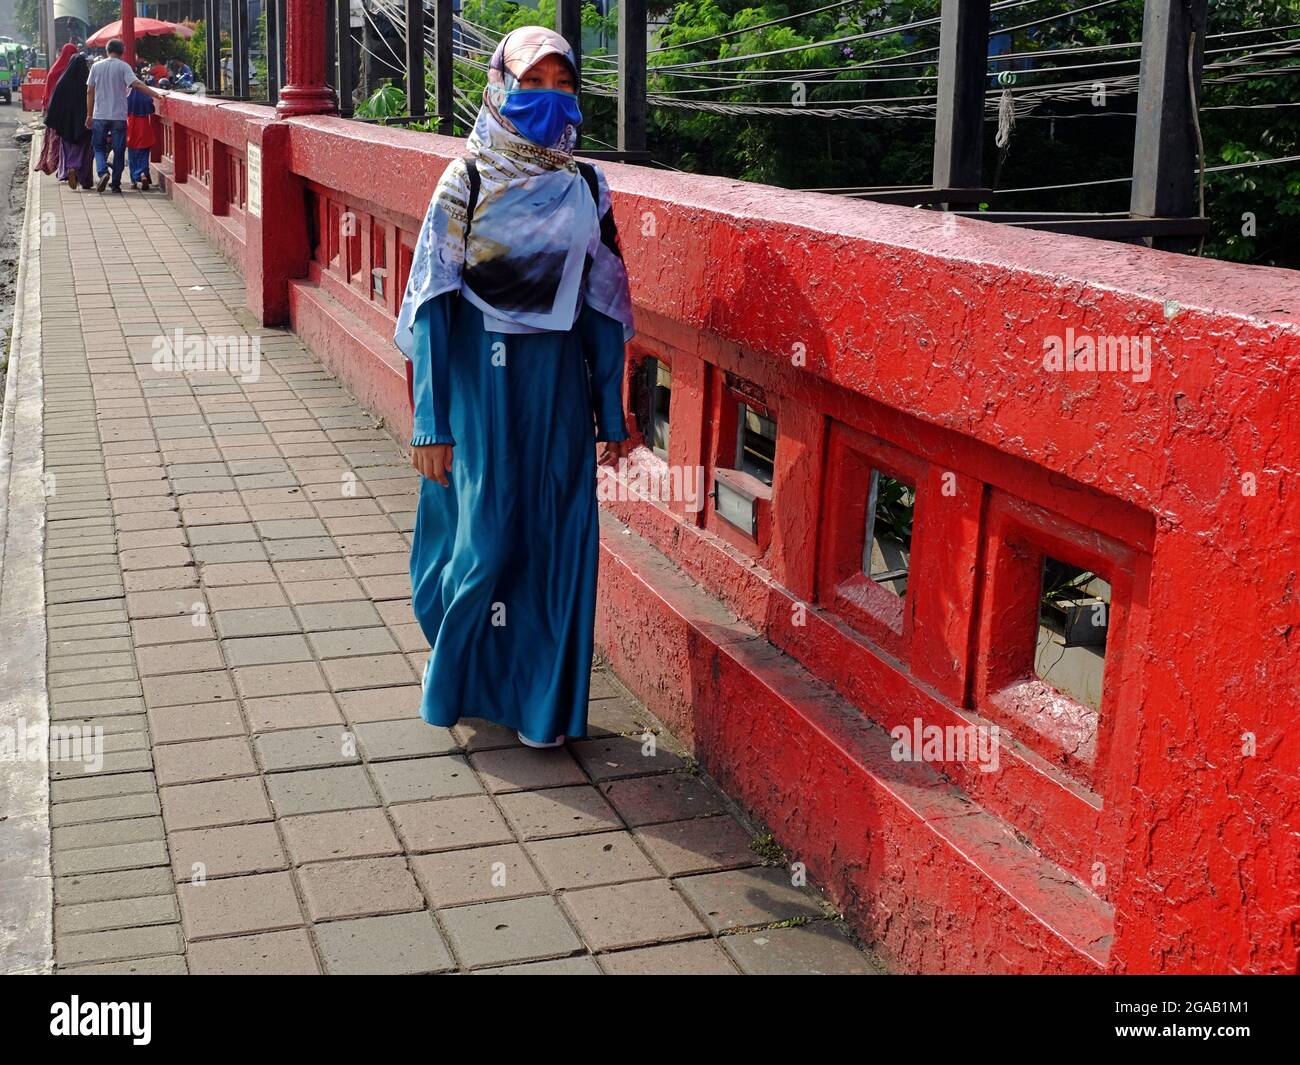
{"x":1255,"y":214}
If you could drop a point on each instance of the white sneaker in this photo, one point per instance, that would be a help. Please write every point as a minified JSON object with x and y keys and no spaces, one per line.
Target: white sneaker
{"x":557,"y":742}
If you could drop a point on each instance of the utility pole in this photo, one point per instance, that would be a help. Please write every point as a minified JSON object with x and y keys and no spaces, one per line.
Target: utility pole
{"x":1166,"y":153}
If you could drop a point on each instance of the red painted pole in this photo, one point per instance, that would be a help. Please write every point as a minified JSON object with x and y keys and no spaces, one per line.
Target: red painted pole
{"x":306,"y":92}
{"x":128,"y":31}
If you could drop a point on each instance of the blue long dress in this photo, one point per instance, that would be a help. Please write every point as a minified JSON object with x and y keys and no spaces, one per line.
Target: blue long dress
{"x":503,"y":560}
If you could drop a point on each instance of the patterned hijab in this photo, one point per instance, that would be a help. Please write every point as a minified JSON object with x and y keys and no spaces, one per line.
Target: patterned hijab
{"x":534,"y":220}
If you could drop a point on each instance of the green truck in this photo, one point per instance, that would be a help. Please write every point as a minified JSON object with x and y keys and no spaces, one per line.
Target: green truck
{"x":13,"y":68}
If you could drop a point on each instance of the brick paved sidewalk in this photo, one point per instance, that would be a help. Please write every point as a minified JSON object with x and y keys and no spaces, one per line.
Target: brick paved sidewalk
{"x":227,"y":590}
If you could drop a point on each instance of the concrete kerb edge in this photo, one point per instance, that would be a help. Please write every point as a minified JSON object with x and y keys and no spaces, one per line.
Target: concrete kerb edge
{"x":26,"y":883}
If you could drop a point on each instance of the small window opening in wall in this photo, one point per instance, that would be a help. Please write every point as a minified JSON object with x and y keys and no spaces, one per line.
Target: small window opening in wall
{"x":1073,"y":619}
{"x":755,"y":443}
{"x":887,"y":547}
{"x":660,"y":379}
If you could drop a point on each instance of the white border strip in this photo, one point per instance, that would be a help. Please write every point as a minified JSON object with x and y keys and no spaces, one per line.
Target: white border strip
{"x":26,"y":884}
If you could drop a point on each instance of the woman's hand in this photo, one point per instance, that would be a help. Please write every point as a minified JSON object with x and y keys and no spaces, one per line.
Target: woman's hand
{"x":613,"y":450}
{"x":433,"y":462}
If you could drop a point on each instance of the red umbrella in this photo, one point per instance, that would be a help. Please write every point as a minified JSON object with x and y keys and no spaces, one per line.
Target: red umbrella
{"x":144,"y":27}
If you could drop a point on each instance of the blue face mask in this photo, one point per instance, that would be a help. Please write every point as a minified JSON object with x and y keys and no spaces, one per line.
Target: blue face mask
{"x":541,"y":114}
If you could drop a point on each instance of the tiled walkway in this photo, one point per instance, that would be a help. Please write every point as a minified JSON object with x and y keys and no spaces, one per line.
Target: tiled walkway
{"x":226,"y":579}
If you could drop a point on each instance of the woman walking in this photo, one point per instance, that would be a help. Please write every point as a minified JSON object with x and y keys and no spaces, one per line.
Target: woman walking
{"x":515,"y":326}
{"x":67,"y":117}
{"x":48,"y":163}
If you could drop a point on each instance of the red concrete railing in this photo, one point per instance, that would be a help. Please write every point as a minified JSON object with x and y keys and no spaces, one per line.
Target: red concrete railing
{"x":1155,"y":832}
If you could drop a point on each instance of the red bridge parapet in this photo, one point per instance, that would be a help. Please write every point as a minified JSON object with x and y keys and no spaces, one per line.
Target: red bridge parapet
{"x":832,"y":368}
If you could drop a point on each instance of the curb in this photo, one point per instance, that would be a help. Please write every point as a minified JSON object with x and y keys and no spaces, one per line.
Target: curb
{"x":26,"y":883}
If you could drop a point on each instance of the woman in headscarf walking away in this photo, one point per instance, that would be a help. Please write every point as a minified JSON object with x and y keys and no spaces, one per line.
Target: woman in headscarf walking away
{"x":514,"y":320}
{"x":48,"y":163}
{"x":67,"y":117}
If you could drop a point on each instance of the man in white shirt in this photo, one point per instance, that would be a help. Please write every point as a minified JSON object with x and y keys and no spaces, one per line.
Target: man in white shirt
{"x":106,"y":91}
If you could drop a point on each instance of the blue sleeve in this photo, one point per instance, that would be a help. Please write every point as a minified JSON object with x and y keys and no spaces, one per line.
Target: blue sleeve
{"x":602,"y":344}
{"x":430,"y":374}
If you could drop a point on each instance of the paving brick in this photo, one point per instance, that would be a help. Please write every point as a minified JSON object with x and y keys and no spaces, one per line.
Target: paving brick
{"x":105,"y":833}
{"x":263,"y":902}
{"x":319,"y":617}
{"x":477,"y":735}
{"x":210,"y":554}
{"x":233,"y":850}
{"x":286,"y":953}
{"x":255,"y":621}
{"x":117,"y":945}
{"x":145,"y":631}
{"x":109,"y":858}
{"x":381,"y":740}
{"x":310,"y":748}
{"x":213,"y":804}
{"x":610,"y":713}
{"x":746,"y":898}
{"x":169,"y":658}
{"x":624,"y":756}
{"x":411,"y":780}
{"x":448,"y":824}
{"x":154,"y":557}
{"x":291,"y":711}
{"x":295,"y":678}
{"x":320,"y":790}
{"x":632,"y":915}
{"x":116,"y":913}
{"x":382,"y":704}
{"x":523,"y":768}
{"x":97,"y":887}
{"x":586,"y":861}
{"x":165,"y":965}
{"x":360,"y":887}
{"x":494,"y":933}
{"x":579,"y":965}
{"x":672,"y":797}
{"x":410,"y":637}
{"x":246,"y":597}
{"x":83,"y":760}
{"x":326,"y":592}
{"x":817,"y":949}
{"x":363,"y":833}
{"x":266,"y":650}
{"x":237,"y":573}
{"x":478,"y":874}
{"x":558,"y":812}
{"x":165,"y":604}
{"x":199,"y":760}
{"x":212,"y":686}
{"x":101,"y":787}
{"x":191,"y":721}
{"x":701,"y":845}
{"x":107,"y":809}
{"x":398,"y":944}
{"x":348,"y":643}
{"x":371,"y":671}
{"x":696,"y":957}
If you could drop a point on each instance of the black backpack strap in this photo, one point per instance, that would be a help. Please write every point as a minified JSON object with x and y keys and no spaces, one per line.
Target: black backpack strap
{"x":608,"y":231}
{"x":471,"y":167}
